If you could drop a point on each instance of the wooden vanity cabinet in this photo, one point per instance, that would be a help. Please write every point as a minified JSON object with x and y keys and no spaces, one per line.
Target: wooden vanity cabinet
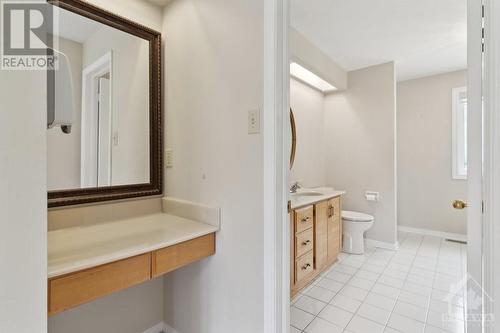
{"x":316,"y":237}
{"x":73,"y":289}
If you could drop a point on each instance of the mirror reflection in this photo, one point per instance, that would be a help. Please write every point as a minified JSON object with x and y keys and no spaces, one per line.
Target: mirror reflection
{"x":98,"y":124}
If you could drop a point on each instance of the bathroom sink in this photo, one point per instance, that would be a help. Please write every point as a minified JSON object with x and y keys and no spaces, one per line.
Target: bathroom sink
{"x":308,"y":194}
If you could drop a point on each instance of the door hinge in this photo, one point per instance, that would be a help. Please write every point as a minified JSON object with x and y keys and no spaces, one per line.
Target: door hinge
{"x":482,"y":207}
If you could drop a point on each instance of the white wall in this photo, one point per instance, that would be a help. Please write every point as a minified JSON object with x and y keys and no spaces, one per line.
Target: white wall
{"x":214,"y":75}
{"x":310,"y":158}
{"x":361,"y":145}
{"x":23,"y":202}
{"x":425,"y":185}
{"x":121,"y":312}
{"x":63,"y":150}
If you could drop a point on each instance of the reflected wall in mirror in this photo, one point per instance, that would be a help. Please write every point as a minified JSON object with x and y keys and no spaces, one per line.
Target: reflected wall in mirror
{"x":104,"y":121}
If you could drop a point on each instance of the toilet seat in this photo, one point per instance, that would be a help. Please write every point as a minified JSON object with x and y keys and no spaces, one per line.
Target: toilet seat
{"x":356,"y":216}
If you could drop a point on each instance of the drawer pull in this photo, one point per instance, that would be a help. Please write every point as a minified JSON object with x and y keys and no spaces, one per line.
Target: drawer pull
{"x":306,"y":242}
{"x":306,"y":266}
{"x":305,"y":219}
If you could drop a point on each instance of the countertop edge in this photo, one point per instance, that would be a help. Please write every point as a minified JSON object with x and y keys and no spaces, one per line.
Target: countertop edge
{"x":319,"y":199}
{"x":124,"y":254}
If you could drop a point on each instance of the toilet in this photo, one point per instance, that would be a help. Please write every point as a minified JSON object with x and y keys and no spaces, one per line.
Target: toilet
{"x":354,"y":225}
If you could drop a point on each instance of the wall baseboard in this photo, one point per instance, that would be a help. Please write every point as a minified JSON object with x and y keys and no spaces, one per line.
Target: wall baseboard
{"x":429,"y":232}
{"x":383,"y":245}
{"x":160,"y":328}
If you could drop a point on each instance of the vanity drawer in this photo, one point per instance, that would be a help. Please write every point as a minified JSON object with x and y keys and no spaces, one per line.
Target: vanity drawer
{"x":304,"y":242}
{"x":304,"y":219}
{"x":77,"y":288}
{"x":172,"y":257}
{"x":304,"y":266}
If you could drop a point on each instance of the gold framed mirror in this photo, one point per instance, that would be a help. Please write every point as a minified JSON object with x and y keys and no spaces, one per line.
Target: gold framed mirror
{"x":294,"y":138}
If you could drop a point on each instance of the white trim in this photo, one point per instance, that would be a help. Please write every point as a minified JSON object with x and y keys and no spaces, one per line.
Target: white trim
{"x":474,"y":152}
{"x":456,"y":122}
{"x":382,"y":245}
{"x":436,"y":233}
{"x":491,"y":175}
{"x":276,"y":309}
{"x":88,"y":154}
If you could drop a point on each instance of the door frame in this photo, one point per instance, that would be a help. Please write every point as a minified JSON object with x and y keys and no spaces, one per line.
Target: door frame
{"x":89,"y":117}
{"x":491,"y":155}
{"x":276,"y":163}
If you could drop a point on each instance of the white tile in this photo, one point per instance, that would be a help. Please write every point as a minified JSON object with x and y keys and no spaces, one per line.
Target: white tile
{"x":361,"y":283}
{"x":422,"y":272}
{"x":359,"y":324}
{"x":329,"y":284}
{"x":405,"y":324}
{"x":380,"y":301}
{"x":418,"y":300}
{"x":310,"y":305}
{"x":319,"y":325}
{"x":394,"y":273}
{"x":390,"y":281}
{"x":367,"y":275}
{"x":345,"y":268}
{"x":432,"y":329}
{"x":322,"y":294}
{"x":336,"y":316}
{"x":423,"y":281}
{"x":347,"y":303}
{"x":411,"y":311}
{"x":437,"y":320}
{"x":294,"y":330}
{"x":372,"y":268}
{"x":374,"y":313}
{"x":417,"y":289}
{"x":391,"y":330}
{"x":444,"y":307}
{"x":444,"y":296}
{"x":300,"y":319}
{"x":384,"y":290}
{"x":338,"y":276}
{"x":354,"y":292}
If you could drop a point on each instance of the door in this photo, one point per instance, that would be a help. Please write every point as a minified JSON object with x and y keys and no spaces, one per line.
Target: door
{"x":474,"y":167}
{"x":321,"y":234}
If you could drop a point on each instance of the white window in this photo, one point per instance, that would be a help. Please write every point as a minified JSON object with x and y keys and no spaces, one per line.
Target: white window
{"x":459,"y":133}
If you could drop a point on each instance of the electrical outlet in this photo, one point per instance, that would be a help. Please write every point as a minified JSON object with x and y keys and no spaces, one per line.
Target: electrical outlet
{"x":169,"y":158}
{"x":254,"y":121}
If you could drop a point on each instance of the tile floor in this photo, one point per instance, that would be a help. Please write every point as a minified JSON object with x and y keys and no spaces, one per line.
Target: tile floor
{"x":387,"y":291}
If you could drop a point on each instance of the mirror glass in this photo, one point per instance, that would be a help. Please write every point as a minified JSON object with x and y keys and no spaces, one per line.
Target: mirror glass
{"x":98,"y":131}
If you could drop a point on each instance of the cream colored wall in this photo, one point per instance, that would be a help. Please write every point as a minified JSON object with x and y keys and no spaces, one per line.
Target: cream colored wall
{"x":360,"y":129}
{"x":425,"y":185}
{"x":307,"y":105}
{"x":214,"y":75}
{"x":23,"y":202}
{"x":136,"y":309}
{"x":130,"y":101}
{"x":63,"y":150}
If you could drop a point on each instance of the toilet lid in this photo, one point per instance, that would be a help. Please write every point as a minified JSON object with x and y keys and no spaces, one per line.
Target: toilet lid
{"x":356,"y":216}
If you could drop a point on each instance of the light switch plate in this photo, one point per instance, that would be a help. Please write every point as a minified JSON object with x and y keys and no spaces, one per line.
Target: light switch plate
{"x":169,"y":158}
{"x":254,"y":121}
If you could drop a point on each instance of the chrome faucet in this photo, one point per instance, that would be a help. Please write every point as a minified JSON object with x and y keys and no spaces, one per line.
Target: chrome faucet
{"x":295,"y":186}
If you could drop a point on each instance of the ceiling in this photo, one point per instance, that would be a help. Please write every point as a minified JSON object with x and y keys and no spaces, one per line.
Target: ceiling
{"x":160,"y":2}
{"x":423,"y":37}
{"x":73,"y":26}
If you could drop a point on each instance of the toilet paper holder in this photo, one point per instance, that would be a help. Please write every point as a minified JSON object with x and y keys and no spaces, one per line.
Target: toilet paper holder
{"x":372,"y":196}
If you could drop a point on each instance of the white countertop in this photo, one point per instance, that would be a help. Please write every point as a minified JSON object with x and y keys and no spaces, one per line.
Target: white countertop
{"x":325,"y":194}
{"x":77,"y":248}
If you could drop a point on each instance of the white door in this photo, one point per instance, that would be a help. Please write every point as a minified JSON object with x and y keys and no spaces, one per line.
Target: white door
{"x":104,"y":134}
